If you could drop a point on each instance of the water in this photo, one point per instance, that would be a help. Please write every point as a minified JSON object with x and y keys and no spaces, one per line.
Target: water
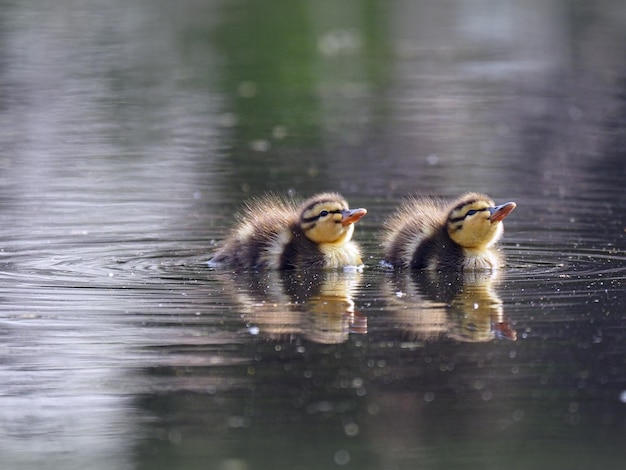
{"x":131,"y":131}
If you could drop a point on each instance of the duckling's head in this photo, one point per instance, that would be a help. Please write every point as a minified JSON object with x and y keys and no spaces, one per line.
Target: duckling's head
{"x":475,"y":222}
{"x":326,"y":218}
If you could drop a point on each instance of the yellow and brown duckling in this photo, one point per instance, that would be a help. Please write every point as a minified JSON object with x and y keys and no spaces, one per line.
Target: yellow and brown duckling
{"x":428,"y":233}
{"x":275,"y":233}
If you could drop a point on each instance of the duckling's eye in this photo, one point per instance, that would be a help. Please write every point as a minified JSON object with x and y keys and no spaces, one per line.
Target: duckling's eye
{"x":471,"y":212}
{"x":324,"y":213}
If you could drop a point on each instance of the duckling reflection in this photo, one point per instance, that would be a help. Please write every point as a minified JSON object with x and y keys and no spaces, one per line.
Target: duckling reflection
{"x":461,"y":306}
{"x":317,"y":304}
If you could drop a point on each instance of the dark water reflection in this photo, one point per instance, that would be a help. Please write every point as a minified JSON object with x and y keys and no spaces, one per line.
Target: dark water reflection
{"x":131,"y":131}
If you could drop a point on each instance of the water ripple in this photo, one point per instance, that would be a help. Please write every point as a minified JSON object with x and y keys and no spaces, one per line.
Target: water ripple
{"x":541,"y":261}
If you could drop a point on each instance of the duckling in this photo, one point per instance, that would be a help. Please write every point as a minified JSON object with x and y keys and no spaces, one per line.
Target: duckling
{"x":275,"y":233}
{"x":428,"y":233}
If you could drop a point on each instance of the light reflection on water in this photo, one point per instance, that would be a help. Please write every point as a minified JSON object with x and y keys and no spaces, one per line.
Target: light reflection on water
{"x":124,"y":155}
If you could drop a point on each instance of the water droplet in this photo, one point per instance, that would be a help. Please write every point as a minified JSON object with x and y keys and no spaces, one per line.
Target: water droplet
{"x":351,"y":429}
{"x":279,"y":132}
{"x":259,"y":145}
{"x":432,"y":159}
{"x":174,"y":436}
{"x":233,"y":464}
{"x":342,"y":457}
{"x":247,"y":89}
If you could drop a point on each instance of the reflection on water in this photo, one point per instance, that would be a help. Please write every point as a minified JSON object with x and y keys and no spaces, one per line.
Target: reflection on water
{"x":131,"y":130}
{"x":464,"y":307}
{"x":318,"y":305}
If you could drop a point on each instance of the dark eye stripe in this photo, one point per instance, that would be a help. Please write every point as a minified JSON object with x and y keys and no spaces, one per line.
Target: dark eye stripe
{"x":321,"y":214}
{"x":315,"y":203}
{"x":470,"y":212}
{"x":464,"y":203}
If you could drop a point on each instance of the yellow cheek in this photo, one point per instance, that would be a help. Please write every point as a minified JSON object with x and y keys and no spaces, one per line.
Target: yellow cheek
{"x":481,"y":233}
{"x":476,"y":233}
{"x":323,"y":232}
{"x":330,"y":232}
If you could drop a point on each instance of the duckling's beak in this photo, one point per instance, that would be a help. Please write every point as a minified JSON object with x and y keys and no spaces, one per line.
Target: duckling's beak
{"x":352,"y":216}
{"x":498,"y":213}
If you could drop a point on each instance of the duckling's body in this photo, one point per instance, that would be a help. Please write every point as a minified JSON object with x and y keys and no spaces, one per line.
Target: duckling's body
{"x":275,"y":233}
{"x":429,"y":233}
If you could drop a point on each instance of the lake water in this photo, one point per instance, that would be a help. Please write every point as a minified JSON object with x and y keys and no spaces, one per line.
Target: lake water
{"x":131,"y":131}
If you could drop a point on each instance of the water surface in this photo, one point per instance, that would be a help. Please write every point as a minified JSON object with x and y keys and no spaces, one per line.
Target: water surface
{"x":131,"y":132}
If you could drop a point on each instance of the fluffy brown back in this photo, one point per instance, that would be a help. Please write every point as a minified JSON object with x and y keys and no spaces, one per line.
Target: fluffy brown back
{"x":259,"y":227}
{"x":417,"y":219}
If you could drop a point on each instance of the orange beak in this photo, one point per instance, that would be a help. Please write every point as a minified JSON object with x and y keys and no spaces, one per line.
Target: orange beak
{"x":352,"y":216}
{"x":498,"y":213}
